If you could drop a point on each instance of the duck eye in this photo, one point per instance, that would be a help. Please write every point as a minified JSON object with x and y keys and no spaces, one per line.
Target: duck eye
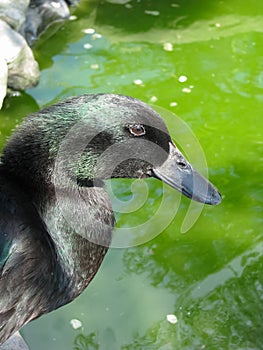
{"x":137,"y":129}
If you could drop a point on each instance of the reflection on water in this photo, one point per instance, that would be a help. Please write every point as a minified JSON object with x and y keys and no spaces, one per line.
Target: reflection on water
{"x":210,"y":278}
{"x":224,"y":310}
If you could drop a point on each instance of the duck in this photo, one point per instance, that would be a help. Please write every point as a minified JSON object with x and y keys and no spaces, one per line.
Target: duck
{"x":56,"y":220}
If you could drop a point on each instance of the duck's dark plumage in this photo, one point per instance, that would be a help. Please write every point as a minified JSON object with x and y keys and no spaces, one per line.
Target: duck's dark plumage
{"x":27,"y":261}
{"x":56,"y":218}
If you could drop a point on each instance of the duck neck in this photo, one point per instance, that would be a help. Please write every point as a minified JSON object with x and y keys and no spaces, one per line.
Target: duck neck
{"x":79,"y":221}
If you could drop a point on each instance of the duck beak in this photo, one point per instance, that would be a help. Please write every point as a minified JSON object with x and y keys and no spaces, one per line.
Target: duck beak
{"x":177,"y":172}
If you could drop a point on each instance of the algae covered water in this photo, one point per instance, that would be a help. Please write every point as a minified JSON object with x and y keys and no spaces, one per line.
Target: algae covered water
{"x":203,"y":62}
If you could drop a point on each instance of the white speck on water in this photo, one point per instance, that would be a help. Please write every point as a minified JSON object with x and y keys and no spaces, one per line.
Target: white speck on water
{"x":137,"y":82}
{"x":182,"y":79}
{"x":218,"y":25}
{"x":88,"y":31}
{"x":186,"y":90}
{"x":76,"y":324}
{"x":172,"y":319}
{"x":152,"y":13}
{"x":96,"y":36}
{"x":87,"y":46}
{"x":94,"y":66}
{"x":72,"y":18}
{"x":153,"y":99}
{"x":173,"y":104}
{"x":168,"y":46}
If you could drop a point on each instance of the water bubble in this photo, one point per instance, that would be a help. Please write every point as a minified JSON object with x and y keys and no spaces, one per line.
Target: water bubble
{"x":168,"y":46}
{"x":94,"y":66}
{"x":186,"y":90}
{"x":96,"y":36}
{"x":152,"y":13}
{"x":137,"y":82}
{"x":88,"y":31}
{"x":182,"y":79}
{"x":153,"y":99}
{"x":87,"y":46}
{"x":172,"y":319}
{"x":76,"y":324}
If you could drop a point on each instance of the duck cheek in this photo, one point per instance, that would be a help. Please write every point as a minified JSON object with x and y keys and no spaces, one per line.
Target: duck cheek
{"x":134,"y":159}
{"x":132,"y":168}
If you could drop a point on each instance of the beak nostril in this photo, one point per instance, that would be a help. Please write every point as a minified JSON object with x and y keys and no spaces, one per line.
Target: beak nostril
{"x":182,"y":164}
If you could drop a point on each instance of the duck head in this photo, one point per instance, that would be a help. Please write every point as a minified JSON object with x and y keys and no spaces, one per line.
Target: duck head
{"x":95,"y":137}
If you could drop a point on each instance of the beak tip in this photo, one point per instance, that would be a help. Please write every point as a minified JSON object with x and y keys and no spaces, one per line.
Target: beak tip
{"x":215,"y":198}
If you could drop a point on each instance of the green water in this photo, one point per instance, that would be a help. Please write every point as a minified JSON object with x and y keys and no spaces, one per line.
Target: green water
{"x":211,"y":277}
